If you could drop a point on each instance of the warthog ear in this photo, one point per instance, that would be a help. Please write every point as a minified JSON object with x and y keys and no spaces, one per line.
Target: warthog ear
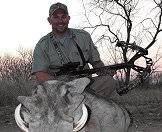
{"x":79,"y":84}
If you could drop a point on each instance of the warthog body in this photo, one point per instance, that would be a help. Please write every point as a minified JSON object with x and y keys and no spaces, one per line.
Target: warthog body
{"x":58,"y":107}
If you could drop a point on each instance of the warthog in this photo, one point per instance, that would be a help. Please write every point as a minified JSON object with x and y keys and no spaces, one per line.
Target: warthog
{"x":59,"y":106}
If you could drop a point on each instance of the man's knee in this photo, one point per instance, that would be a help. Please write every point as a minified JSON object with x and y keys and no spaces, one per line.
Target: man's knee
{"x":104,"y":85}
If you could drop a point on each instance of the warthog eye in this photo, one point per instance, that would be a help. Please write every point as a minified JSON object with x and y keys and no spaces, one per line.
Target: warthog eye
{"x":66,"y":97}
{"x":38,"y":101}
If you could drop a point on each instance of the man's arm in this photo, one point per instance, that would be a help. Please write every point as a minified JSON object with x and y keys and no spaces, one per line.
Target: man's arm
{"x":40,"y":62}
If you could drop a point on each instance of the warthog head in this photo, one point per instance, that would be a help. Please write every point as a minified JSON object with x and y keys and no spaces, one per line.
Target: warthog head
{"x":56,"y":106}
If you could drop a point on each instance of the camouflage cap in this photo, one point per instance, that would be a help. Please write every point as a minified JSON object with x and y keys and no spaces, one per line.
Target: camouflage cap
{"x":56,"y":6}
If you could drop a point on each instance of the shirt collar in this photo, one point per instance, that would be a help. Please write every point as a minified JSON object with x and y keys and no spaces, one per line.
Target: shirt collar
{"x":69,"y":34}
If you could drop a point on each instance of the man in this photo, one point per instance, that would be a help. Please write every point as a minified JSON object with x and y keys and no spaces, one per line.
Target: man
{"x":64,"y":48}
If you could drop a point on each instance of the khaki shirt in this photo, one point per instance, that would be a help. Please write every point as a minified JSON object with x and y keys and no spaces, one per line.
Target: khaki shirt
{"x":45,"y":54}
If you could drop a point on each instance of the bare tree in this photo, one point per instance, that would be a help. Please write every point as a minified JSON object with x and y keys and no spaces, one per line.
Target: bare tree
{"x":133,"y":22}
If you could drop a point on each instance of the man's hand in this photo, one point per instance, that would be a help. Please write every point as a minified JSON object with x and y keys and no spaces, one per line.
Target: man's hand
{"x":42,"y":76}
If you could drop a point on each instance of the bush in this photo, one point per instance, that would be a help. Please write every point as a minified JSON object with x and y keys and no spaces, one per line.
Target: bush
{"x":15,"y":76}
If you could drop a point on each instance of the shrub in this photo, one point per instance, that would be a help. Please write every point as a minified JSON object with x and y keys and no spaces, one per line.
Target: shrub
{"x":15,"y":76}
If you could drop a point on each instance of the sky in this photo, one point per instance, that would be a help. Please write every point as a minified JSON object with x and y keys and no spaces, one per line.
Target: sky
{"x":24,"y":22}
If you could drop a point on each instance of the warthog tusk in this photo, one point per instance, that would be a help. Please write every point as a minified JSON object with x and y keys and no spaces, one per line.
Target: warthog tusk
{"x":80,"y":124}
{"x":19,"y":121}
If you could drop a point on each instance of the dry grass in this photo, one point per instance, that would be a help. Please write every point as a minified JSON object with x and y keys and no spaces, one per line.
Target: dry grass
{"x":144,"y":107}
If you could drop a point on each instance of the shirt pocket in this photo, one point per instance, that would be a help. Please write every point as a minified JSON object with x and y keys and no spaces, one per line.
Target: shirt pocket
{"x":54,"y":59}
{"x":74,"y":56}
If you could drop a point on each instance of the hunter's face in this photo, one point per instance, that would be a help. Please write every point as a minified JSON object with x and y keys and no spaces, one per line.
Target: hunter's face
{"x":59,"y":21}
